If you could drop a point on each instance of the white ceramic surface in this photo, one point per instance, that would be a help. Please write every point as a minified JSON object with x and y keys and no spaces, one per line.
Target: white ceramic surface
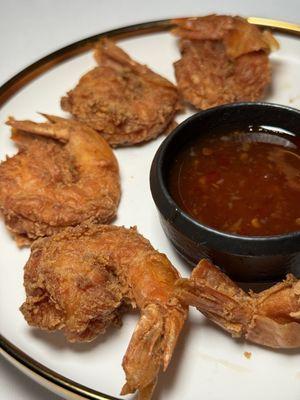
{"x":207,"y":362}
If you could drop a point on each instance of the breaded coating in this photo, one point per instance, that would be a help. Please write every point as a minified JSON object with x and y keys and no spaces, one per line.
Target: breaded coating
{"x":78,"y":279}
{"x":64,"y":174}
{"x":224,"y":59}
{"x":124,"y":101}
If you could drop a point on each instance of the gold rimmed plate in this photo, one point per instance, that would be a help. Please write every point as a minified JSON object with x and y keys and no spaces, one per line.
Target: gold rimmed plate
{"x":206,"y":358}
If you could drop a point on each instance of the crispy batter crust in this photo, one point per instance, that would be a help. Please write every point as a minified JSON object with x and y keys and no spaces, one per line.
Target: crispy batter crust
{"x":54,"y":183}
{"x":224,"y":59}
{"x":123,"y":100}
{"x":68,"y":258}
{"x":78,"y":280}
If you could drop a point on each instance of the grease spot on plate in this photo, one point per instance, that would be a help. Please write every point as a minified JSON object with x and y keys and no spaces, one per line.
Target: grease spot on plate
{"x":294,"y":99}
{"x":225,"y":363}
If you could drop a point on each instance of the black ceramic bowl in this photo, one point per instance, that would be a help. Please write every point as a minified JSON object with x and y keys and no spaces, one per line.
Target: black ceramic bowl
{"x":243,"y":258}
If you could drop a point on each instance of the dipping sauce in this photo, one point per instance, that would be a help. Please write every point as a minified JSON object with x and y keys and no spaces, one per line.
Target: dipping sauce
{"x":245,"y":182}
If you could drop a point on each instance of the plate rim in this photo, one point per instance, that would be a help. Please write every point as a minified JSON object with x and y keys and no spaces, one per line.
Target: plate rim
{"x":20,"y":80}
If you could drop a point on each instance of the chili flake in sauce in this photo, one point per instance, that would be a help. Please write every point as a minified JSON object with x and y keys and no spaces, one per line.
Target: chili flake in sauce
{"x":243,"y":182}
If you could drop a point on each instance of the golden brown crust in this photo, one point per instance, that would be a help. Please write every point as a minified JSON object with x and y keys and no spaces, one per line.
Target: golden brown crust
{"x":123,"y":100}
{"x":124,"y":251}
{"x":65,"y":291}
{"x":78,"y":280}
{"x":224,"y":59}
{"x":51,"y":184}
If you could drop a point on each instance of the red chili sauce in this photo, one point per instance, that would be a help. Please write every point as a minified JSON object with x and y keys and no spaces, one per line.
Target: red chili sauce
{"x":246,"y":183}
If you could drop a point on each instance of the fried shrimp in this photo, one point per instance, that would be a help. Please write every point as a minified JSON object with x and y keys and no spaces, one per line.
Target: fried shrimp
{"x":64,"y":174}
{"x":123,"y":100}
{"x":270,"y":318}
{"x":78,"y":280}
{"x":224,"y":59}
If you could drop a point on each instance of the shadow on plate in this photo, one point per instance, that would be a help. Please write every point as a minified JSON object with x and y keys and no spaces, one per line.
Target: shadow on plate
{"x":24,"y":387}
{"x":276,"y":66}
{"x":167,"y":380}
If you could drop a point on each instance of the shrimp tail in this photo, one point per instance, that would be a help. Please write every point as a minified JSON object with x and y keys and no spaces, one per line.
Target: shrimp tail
{"x":151,"y":347}
{"x":217,"y":297}
{"x":53,"y":118}
{"x":173,"y":325}
{"x":270,"y":318}
{"x":46,"y":129}
{"x":276,"y":322}
{"x":145,"y":393}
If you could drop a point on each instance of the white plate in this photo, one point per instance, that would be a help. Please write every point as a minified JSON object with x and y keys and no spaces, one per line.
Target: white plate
{"x":207,"y":362}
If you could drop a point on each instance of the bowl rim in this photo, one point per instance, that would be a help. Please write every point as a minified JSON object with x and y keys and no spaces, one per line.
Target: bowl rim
{"x":221,"y":241}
